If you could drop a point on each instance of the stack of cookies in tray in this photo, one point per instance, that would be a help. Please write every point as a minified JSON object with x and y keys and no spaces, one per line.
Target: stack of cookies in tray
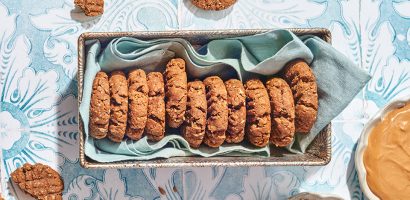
{"x":210,"y":112}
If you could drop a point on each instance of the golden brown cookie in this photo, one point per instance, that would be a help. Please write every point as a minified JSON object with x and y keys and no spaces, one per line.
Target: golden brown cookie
{"x":91,"y":7}
{"x":213,"y":4}
{"x":175,"y":92}
{"x":100,"y":106}
{"x":302,"y":81}
{"x":258,"y":127}
{"x":237,"y":111}
{"x":282,"y":112}
{"x":193,"y":130}
{"x":40,"y":181}
{"x":217,"y":112}
{"x":137,"y":103}
{"x":119,"y":106}
{"x":155,"y":126}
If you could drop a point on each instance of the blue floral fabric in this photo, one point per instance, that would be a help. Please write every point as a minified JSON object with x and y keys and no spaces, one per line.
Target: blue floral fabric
{"x":38,"y":95}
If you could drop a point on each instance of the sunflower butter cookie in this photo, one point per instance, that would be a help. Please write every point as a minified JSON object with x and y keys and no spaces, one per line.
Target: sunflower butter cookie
{"x":91,"y":7}
{"x":302,"y":81}
{"x":258,"y":118}
{"x":119,"y":106}
{"x":138,"y":103}
{"x":40,"y":181}
{"x":193,"y":130}
{"x":155,"y":126}
{"x":100,"y":106}
{"x":213,"y":4}
{"x":282,"y":112}
{"x":237,"y":111}
{"x":217,"y":112}
{"x":175,"y":92}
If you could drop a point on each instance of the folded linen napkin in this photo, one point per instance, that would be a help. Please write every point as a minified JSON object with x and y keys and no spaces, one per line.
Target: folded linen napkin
{"x":243,"y":57}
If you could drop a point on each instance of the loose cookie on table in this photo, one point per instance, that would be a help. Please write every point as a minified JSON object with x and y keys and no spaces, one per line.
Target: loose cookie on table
{"x":217,"y":113}
{"x":155,"y":126}
{"x":119,"y":106}
{"x":91,"y":7}
{"x":213,"y":4}
{"x":40,"y":181}
{"x":100,"y":106}
{"x":138,"y":103}
{"x":175,"y":92}
{"x":302,"y":81}
{"x":237,"y":111}
{"x":258,"y":118}
{"x":193,"y":130}
{"x":282,"y":112}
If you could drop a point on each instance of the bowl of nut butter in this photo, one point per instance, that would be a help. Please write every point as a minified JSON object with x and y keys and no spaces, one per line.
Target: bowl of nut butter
{"x":383,"y":153}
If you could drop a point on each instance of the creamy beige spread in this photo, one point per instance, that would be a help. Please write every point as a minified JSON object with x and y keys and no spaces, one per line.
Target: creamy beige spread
{"x":387,"y":157}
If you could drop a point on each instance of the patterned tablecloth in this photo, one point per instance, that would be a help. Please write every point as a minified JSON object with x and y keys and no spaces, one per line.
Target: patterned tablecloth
{"x":38,"y":105}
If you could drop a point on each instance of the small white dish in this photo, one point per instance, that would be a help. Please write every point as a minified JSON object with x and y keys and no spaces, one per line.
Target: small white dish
{"x":363,"y":142}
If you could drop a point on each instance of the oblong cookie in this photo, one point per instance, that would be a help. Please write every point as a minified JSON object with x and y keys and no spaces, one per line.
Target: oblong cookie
{"x":155,"y":126}
{"x":175,"y":92}
{"x":258,"y":127}
{"x":100,"y":106}
{"x":237,"y":111}
{"x":138,"y":103}
{"x":302,"y":81}
{"x":282,"y":112}
{"x":213,"y":4}
{"x":217,"y":111}
{"x":119,"y":106}
{"x":193,"y":130}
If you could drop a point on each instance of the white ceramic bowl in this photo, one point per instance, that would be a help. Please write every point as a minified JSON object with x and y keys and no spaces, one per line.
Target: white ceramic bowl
{"x":363,"y":142}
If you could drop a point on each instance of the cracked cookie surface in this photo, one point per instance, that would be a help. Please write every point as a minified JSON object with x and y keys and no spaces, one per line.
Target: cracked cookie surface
{"x":237,"y":111}
{"x":303,"y":84}
{"x":175,"y":92}
{"x":100,"y":106}
{"x":91,"y":8}
{"x":155,"y":126}
{"x":282,"y":112}
{"x":119,"y":106}
{"x":258,"y":118}
{"x":40,"y":181}
{"x":217,"y":111}
{"x":213,"y":4}
{"x":193,"y":129}
{"x":138,"y":103}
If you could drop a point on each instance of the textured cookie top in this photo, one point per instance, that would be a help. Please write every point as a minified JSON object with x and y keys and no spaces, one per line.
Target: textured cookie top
{"x":137,"y":81}
{"x":175,"y":92}
{"x":91,"y":7}
{"x":213,"y":4}
{"x":302,"y":81}
{"x":237,"y":111}
{"x":40,"y":181}
{"x":155,"y":84}
{"x":100,"y":106}
{"x":119,"y":106}
{"x":283,"y":112}
{"x":217,"y":113}
{"x":195,"y":117}
{"x":258,"y":113}
{"x":138,"y":103}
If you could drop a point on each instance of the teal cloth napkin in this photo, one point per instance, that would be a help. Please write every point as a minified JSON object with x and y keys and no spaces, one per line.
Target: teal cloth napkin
{"x":243,"y":57}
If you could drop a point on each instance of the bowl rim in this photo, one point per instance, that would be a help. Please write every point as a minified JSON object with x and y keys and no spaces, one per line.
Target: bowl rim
{"x":363,"y":142}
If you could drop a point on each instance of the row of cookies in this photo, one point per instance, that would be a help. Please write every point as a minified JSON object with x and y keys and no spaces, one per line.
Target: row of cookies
{"x":209,"y":112}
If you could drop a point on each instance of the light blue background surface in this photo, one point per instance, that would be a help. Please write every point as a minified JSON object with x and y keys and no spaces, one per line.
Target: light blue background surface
{"x":38,"y":110}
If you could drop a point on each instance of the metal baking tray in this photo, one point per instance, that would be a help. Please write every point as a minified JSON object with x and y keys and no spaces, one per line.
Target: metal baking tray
{"x":318,"y":153}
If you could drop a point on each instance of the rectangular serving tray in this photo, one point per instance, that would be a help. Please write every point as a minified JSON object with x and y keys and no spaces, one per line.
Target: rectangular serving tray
{"x":318,"y":153}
